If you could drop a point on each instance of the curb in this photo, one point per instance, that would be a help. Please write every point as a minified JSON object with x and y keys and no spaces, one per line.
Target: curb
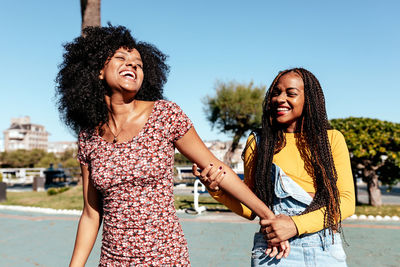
{"x":50,"y":211}
{"x":373,"y":218}
{"x":41,"y":210}
{"x":79,"y":212}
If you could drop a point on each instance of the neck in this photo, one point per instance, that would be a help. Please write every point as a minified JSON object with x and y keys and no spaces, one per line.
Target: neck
{"x":119,"y":105}
{"x":119,"y":111}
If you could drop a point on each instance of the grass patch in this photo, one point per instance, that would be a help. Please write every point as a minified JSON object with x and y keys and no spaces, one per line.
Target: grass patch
{"x":72,"y":199}
{"x":389,"y":210}
{"x":187,"y":202}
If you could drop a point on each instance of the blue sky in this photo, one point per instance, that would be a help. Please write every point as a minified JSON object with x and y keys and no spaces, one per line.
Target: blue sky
{"x":351,"y":46}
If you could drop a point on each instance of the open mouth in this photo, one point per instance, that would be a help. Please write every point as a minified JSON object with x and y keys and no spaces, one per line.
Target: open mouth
{"x":282,"y":110}
{"x":128,"y":74}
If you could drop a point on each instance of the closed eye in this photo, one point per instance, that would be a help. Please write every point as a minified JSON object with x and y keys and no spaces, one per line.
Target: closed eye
{"x":275,"y":92}
{"x":292,"y":92}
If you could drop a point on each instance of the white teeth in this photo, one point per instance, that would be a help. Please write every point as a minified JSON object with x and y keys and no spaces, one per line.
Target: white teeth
{"x":128,"y":73}
{"x":282,"y":109}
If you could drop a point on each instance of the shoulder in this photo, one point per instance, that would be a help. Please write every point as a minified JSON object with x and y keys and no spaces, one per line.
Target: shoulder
{"x":335,"y":136}
{"x":337,"y":140}
{"x":251,"y":144}
{"x":166,"y":103}
{"x":86,"y":135}
{"x":83,"y":135}
{"x":252,"y":139}
{"x":168,"y":106}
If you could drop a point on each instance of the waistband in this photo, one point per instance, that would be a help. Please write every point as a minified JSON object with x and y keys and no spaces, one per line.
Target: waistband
{"x":319,"y":239}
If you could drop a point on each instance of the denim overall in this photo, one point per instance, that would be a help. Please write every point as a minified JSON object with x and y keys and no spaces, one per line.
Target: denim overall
{"x":306,"y":250}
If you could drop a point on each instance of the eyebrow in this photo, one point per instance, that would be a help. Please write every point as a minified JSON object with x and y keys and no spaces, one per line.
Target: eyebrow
{"x":289,"y":88}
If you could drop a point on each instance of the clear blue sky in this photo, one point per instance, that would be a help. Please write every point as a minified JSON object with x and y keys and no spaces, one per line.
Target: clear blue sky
{"x":351,"y":46}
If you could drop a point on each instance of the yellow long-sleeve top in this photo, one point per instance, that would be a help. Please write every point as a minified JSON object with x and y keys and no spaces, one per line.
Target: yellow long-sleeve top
{"x":290,"y":161}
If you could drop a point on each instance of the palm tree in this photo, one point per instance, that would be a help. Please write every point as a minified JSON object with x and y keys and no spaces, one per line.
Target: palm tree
{"x":90,"y":11}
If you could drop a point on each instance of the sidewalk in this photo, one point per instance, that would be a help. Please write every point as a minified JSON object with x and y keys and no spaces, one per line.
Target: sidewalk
{"x":215,"y":239}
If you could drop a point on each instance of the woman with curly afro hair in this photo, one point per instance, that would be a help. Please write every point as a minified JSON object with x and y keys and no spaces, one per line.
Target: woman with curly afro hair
{"x":109,"y":91}
{"x":298,"y":166}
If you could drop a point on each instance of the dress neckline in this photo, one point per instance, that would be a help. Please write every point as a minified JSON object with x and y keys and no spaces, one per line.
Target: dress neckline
{"x":149,"y":119}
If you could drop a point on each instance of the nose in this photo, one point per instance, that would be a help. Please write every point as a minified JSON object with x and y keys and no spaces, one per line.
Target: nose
{"x":131,"y":63}
{"x":281,"y":98}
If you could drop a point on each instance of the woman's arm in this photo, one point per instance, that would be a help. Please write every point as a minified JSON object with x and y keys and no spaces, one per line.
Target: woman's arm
{"x":89,"y":222}
{"x":194,"y":149}
{"x":313,"y":221}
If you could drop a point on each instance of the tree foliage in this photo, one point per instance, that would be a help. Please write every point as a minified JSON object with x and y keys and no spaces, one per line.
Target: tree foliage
{"x":374,"y":147}
{"x":235,"y":109}
{"x":37,"y":158}
{"x":181,"y":160}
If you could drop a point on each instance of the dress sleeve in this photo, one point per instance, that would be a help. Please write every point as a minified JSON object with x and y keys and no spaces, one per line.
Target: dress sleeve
{"x":179,"y":122}
{"x":314,"y":221}
{"x":82,"y":148}
{"x":228,"y":200}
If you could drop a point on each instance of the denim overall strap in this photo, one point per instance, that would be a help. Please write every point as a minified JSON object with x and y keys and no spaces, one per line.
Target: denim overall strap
{"x":291,"y":199}
{"x":286,"y":187}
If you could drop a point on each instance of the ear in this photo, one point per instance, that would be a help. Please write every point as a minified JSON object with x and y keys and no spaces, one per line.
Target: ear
{"x":101,"y":75}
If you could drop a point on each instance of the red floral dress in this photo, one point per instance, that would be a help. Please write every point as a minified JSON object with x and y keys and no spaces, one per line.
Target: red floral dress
{"x":135,"y":178}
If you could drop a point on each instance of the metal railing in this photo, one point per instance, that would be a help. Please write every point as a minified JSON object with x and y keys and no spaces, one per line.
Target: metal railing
{"x":196,"y":194}
{"x":20,"y":175}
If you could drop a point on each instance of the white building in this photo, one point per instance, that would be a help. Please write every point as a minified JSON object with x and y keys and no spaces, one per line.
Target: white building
{"x":62,"y":146}
{"x":219,"y":149}
{"x":22,"y":134}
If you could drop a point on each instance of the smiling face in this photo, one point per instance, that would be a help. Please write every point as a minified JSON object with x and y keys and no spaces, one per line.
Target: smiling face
{"x":287,"y":100}
{"x":123,"y":71}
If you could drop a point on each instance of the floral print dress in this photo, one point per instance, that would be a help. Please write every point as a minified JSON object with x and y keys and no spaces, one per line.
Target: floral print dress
{"x":135,"y":179}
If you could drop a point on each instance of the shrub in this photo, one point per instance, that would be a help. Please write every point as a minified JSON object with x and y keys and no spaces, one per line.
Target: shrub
{"x":54,"y":191}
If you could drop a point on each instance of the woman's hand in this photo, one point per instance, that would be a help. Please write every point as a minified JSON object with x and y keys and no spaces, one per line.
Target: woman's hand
{"x":279,"y":229}
{"x":278,"y":251}
{"x":211,"y":176}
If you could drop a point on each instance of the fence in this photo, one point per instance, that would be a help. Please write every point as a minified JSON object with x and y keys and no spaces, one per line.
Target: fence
{"x":21,"y":175}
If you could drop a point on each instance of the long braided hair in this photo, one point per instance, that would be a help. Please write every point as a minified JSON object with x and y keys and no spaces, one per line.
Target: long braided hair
{"x":313,"y":144}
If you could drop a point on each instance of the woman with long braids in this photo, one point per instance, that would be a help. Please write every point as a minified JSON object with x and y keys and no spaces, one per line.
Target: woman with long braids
{"x":109,"y":90}
{"x":300,"y":168}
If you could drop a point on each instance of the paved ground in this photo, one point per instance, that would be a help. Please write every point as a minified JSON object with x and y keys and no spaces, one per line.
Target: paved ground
{"x":388,"y":196}
{"x":215,"y":239}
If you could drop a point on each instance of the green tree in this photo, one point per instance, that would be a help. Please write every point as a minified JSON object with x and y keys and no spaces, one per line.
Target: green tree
{"x":38,"y":158}
{"x":374,"y":147}
{"x":70,"y":163}
{"x":67,"y":154}
{"x":236,"y":108}
{"x":90,"y":13}
{"x":46,"y":160}
{"x":181,"y":160}
{"x":21,"y":158}
{"x":35,"y":155}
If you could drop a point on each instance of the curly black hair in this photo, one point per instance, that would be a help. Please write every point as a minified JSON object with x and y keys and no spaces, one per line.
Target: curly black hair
{"x":313,"y":144}
{"x":81,"y":94}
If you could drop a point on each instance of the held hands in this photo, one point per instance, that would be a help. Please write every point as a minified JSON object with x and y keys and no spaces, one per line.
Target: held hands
{"x":282,"y":250}
{"x":275,"y":250}
{"x":278,"y":230}
{"x":211,"y":176}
